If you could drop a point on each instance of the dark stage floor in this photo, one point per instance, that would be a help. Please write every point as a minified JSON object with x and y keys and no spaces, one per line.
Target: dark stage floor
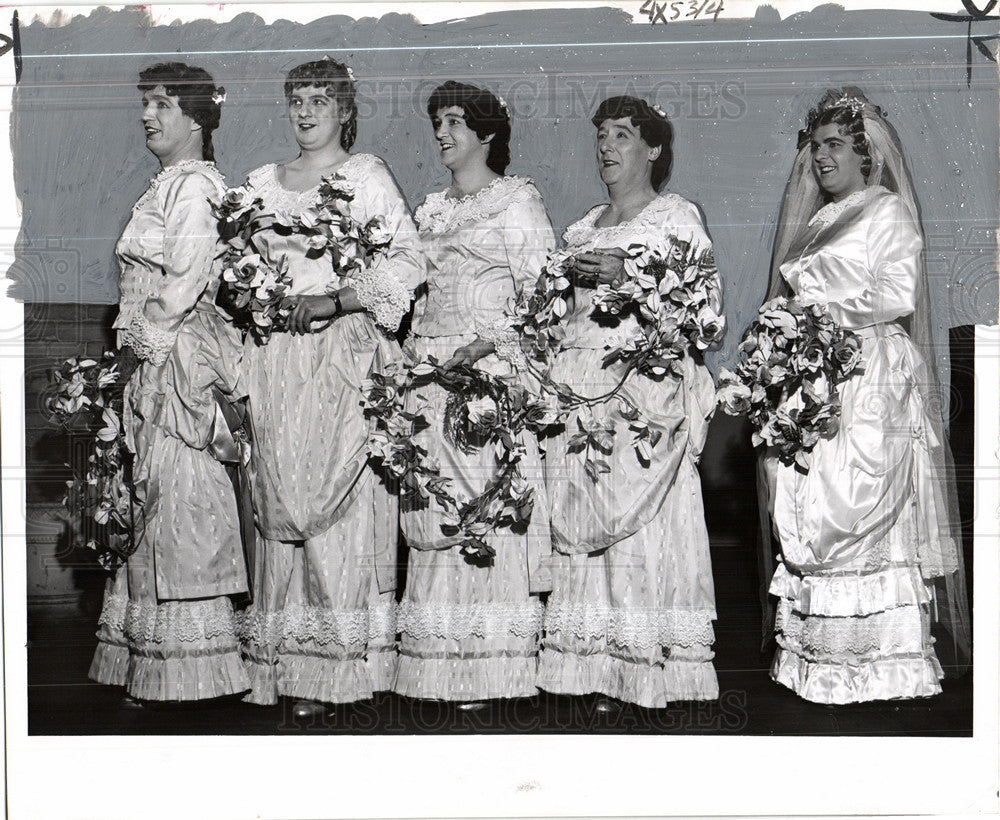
{"x":61,"y":701}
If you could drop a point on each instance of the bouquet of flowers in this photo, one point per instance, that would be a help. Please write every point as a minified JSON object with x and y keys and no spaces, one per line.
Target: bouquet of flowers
{"x":102,"y":499}
{"x":669,"y":288}
{"x":257,"y":287}
{"x":792,"y":359}
{"x":482,"y":411}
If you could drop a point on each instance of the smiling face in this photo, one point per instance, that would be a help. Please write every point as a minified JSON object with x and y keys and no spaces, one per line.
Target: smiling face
{"x":623,"y":157}
{"x":835,"y":163}
{"x":317,"y":118}
{"x":170,"y":133}
{"x":459,"y":145}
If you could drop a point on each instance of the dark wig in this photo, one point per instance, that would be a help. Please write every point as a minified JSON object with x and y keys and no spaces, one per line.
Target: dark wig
{"x":654,"y":128}
{"x":484,"y":114}
{"x":336,"y":79}
{"x":196,"y":95}
{"x":844,"y":109}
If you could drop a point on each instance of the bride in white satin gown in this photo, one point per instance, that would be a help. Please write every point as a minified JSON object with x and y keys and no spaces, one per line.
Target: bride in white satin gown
{"x":869,"y":537}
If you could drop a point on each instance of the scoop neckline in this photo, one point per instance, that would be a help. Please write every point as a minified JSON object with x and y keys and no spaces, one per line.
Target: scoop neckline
{"x":274,"y":174}
{"x":635,"y":218}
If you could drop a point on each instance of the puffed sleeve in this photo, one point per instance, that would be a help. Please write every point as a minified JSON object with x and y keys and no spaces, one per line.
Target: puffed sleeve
{"x":386,"y":289}
{"x":189,"y":239}
{"x":894,"y":247}
{"x":527,"y":240}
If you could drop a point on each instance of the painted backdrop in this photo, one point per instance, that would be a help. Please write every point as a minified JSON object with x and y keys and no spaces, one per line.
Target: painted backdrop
{"x":736,"y":90}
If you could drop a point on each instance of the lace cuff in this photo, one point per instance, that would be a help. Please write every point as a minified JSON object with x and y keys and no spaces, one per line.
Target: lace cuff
{"x":382,"y":293}
{"x":505,"y":340}
{"x":150,"y":343}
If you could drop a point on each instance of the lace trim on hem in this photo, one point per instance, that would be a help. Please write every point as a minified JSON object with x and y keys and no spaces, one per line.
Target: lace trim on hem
{"x":170,"y":621}
{"x":355,"y":627}
{"x":462,"y":621}
{"x":382,"y":293}
{"x":642,"y":628}
{"x":439,"y":213}
{"x":150,"y":343}
{"x":895,"y":631}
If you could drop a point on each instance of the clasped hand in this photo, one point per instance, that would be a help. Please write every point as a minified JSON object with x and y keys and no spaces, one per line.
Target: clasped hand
{"x":605,"y":266}
{"x":470,"y":353}
{"x":309,"y":309}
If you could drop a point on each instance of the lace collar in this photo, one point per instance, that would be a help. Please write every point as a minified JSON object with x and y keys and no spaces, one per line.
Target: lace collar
{"x":586,"y":228}
{"x":830,"y":212}
{"x":171,"y":171}
{"x":440,"y":213}
{"x":265,"y":182}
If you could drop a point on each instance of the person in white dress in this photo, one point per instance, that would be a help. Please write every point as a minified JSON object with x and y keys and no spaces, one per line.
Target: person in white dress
{"x":322,"y":626}
{"x":469,"y":632}
{"x":870,"y":548}
{"x":632,"y":604}
{"x":167,"y":630}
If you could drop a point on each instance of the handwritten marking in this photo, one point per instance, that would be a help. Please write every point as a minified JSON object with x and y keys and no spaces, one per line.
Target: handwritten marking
{"x":657,"y":12}
{"x":975,"y":15}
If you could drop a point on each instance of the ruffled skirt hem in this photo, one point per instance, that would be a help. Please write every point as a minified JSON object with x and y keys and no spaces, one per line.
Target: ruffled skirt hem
{"x":893,"y":678}
{"x":652,"y":687}
{"x":851,"y":593}
{"x":466,"y":679}
{"x":321,"y":679}
{"x":200,"y":675}
{"x":110,"y":664}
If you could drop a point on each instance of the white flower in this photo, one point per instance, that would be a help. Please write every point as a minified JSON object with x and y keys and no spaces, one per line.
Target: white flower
{"x":379,"y":233}
{"x":482,"y":412}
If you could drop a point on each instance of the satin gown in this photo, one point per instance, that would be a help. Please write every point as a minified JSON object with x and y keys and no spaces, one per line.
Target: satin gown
{"x":323,"y":622}
{"x":852,"y":620}
{"x":632,"y":604}
{"x":167,"y":628}
{"x":471,"y":632}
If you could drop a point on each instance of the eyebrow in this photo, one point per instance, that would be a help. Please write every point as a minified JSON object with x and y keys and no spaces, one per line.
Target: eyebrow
{"x":624,"y":126}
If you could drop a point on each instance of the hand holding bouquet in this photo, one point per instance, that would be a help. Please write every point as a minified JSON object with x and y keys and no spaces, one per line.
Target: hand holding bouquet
{"x":792,"y":359}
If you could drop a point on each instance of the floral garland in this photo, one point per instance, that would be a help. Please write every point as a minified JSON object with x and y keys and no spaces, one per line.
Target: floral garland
{"x":482,"y":411}
{"x":667,"y":286}
{"x":84,"y":398}
{"x":257,"y":288}
{"x":792,"y":359}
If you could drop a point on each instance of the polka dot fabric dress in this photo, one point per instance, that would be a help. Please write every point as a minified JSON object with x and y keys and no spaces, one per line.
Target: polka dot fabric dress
{"x":322,"y":625}
{"x":632,"y":604}
{"x":470,"y":632}
{"x":167,"y":629}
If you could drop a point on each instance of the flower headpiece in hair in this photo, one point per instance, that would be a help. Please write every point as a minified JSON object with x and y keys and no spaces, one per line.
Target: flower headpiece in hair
{"x":503,"y":105}
{"x":219,"y":95}
{"x":658,"y":111}
{"x":849,"y":98}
